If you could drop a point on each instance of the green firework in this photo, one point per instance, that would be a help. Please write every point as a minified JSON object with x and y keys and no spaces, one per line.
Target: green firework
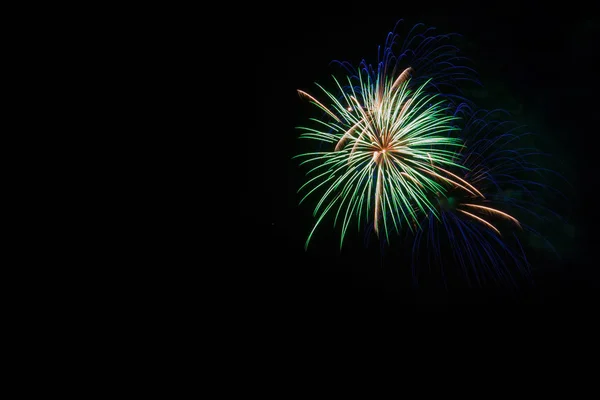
{"x":389,"y":145}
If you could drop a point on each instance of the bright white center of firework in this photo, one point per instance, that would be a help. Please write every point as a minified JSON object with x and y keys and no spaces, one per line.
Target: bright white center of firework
{"x":349,"y":109}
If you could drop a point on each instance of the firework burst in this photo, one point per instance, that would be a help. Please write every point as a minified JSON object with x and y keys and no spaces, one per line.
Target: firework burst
{"x":401,"y":147}
{"x":390,"y":146}
{"x":480,"y":230}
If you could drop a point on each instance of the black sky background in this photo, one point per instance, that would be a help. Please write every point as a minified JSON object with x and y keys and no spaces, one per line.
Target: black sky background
{"x":541,"y":66}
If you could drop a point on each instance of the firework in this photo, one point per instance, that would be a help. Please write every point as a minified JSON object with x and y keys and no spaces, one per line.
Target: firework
{"x":427,"y":56}
{"x":389,"y":146}
{"x":480,"y":231}
{"x":388,"y":134}
{"x":402,"y":150}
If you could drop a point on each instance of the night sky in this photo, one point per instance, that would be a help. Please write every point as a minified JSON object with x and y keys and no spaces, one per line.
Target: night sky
{"x":540,"y":68}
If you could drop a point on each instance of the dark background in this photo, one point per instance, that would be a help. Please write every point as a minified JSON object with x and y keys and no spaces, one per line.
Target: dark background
{"x":539,"y":67}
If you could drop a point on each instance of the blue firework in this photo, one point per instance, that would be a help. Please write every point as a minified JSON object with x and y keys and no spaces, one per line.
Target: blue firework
{"x":504,"y":194}
{"x":424,"y":55}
